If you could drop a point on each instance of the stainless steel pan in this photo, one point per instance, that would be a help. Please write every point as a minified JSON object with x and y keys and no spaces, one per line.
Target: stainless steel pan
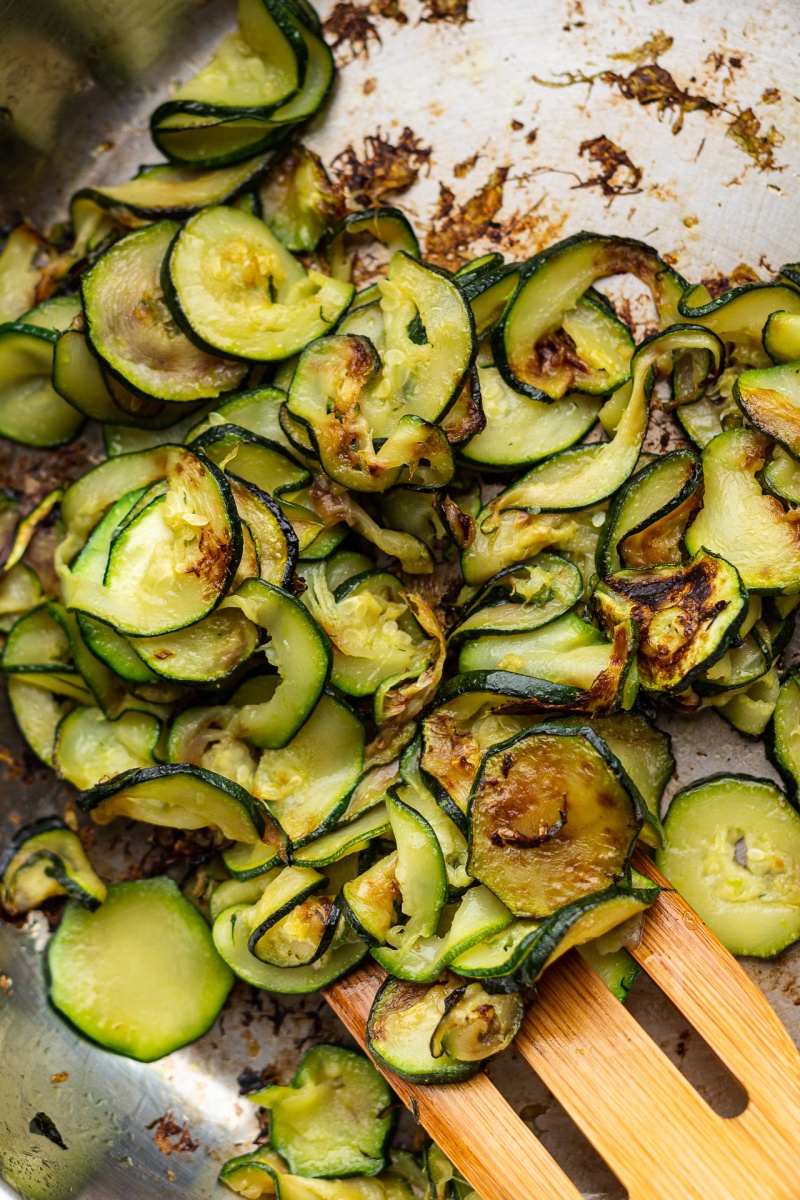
{"x":77,"y":82}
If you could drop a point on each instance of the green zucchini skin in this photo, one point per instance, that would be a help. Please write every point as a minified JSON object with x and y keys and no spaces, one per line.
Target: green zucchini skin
{"x":52,"y":855}
{"x":422,"y":1067}
{"x":387,"y":225}
{"x":145,"y":934}
{"x":618,"y":970}
{"x":251,"y":814}
{"x":42,"y":419}
{"x":751,"y":913}
{"x":279,"y":473}
{"x":782,"y":740}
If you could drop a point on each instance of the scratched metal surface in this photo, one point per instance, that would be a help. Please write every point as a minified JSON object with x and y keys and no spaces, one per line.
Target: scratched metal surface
{"x":719,"y":192}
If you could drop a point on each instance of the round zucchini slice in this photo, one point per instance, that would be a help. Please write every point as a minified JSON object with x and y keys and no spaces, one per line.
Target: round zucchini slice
{"x":201,"y":653}
{"x":738,"y":522}
{"x":236,"y":290}
{"x":402,"y":1021}
{"x":335,"y":1117}
{"x":130,"y":329}
{"x":753,"y":906}
{"x":687,"y":616}
{"x":141,"y":975}
{"x":554,"y":816}
{"x":31,"y":410}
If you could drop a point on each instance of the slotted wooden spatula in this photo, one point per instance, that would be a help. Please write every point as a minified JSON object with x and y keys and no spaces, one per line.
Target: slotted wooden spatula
{"x":653,"y":1129}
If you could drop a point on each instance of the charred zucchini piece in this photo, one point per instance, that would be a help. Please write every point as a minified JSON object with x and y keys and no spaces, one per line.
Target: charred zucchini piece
{"x":178,"y":795}
{"x":687,"y":616}
{"x":546,"y":343}
{"x":566,"y":651}
{"x":250,"y":1175}
{"x":371,"y":901}
{"x":89,"y":747}
{"x":781,"y":337}
{"x":519,"y":430}
{"x":554,"y":816}
{"x":231,"y":936}
{"x":388,"y":226}
{"x":771,"y":400}
{"x":521,"y":599}
{"x":517,"y":957}
{"x":297,"y":199}
{"x":235,"y":289}
{"x":335,"y":1117}
{"x":470,"y":1029}
{"x":741,"y":524}
{"x":306,"y":785}
{"x":130,"y":329}
{"x":140,"y":976}
{"x":753,"y":907}
{"x":646,"y":520}
{"x":31,"y":410}
{"x":43,"y":860}
{"x":402,"y":1021}
{"x":586,"y":475}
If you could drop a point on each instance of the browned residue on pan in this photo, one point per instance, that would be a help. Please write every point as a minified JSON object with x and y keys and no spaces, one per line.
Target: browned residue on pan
{"x":382,"y":170}
{"x":617,"y":175}
{"x":350,"y":27}
{"x":455,"y":12}
{"x":455,"y":227}
{"x":170,"y":1137}
{"x":745,"y":130}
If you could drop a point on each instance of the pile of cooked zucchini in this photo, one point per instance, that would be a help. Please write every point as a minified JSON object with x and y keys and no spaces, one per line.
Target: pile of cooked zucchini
{"x":354,"y":590}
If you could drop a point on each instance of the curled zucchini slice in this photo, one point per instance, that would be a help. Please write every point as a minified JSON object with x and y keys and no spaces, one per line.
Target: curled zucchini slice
{"x":388,"y":226}
{"x":402,"y":1021}
{"x":553,"y":816}
{"x":231,"y":937}
{"x":178,"y":795}
{"x":290,"y":925}
{"x":488,"y":283}
{"x":515,"y":958}
{"x":131,"y":330}
{"x":520,"y":431}
{"x":741,"y":524}
{"x":254,"y":459}
{"x":520,"y":599}
{"x":222,"y":114}
{"x":547,"y":343}
{"x":31,"y":410}
{"x":781,"y":476}
{"x":753,"y":907}
{"x":20,"y":591}
{"x":235,"y":289}
{"x":587,"y":474}
{"x":171,"y":564}
{"x":473,"y":1028}
{"x":646,"y":520}
{"x":43,"y":860}
{"x":503,"y":539}
{"x":297,"y":199}
{"x":251,"y":1175}
{"x":334,"y":1118}
{"x":140,"y":976}
{"x":771,"y":400}
{"x":687,"y":616}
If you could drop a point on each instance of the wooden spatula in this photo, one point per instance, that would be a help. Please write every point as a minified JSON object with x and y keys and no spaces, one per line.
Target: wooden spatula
{"x":653,"y":1129}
